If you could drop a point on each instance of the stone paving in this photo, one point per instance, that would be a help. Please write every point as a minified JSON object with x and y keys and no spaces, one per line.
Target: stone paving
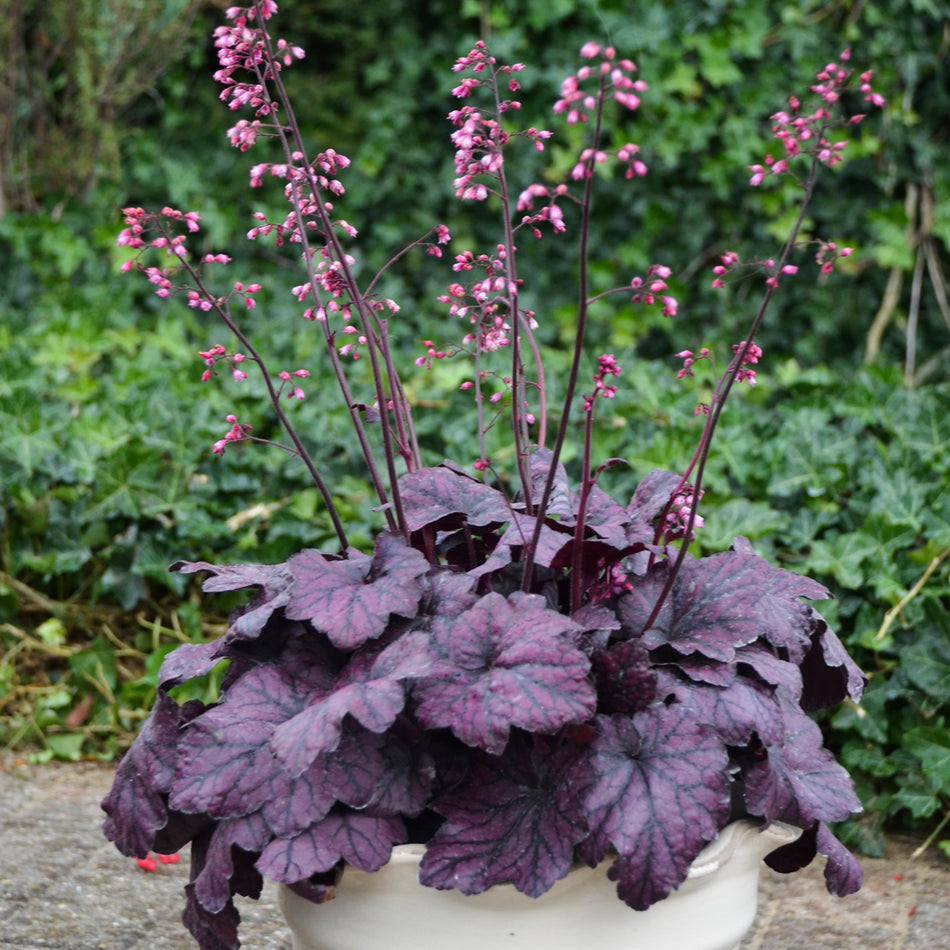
{"x":64,"y":887}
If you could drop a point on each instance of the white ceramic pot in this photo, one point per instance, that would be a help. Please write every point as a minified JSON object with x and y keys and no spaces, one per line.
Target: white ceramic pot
{"x":390,"y":910}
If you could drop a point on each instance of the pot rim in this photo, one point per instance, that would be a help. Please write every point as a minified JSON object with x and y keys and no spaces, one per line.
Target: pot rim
{"x":712,"y":857}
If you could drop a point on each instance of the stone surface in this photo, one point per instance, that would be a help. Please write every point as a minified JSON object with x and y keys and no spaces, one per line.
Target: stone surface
{"x":64,"y":887}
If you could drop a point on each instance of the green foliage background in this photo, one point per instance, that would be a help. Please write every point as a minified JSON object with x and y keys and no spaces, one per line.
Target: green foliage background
{"x":836,"y":465}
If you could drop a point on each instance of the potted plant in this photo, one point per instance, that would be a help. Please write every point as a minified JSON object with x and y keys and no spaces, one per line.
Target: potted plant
{"x":524,"y":675}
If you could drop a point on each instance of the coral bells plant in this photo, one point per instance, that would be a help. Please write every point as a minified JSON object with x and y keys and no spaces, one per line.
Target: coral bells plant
{"x":523,"y":672}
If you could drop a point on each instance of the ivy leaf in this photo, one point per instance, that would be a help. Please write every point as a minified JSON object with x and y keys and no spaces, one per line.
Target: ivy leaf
{"x":503,"y":663}
{"x":351,"y":600}
{"x":362,"y":840}
{"x":659,"y":793}
{"x":514,"y":820}
{"x":931,"y":744}
{"x":927,"y":663}
{"x":799,"y":781}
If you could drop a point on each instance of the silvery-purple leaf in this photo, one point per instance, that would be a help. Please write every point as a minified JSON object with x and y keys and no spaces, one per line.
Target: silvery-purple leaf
{"x":503,"y":663}
{"x":405,"y":787}
{"x":442,"y":497}
{"x":362,"y":840}
{"x":799,"y":781}
{"x":517,"y":535}
{"x":720,"y":603}
{"x":650,"y":498}
{"x":514,"y":820}
{"x":660,"y":791}
{"x":352,"y":600}
{"x":369,"y":689}
{"x":188,"y":661}
{"x":625,"y":681}
{"x":213,"y":883}
{"x":770,"y":668}
{"x":225,"y":765}
{"x":828,"y":673}
{"x":353,"y":774}
{"x":735,"y":710}
{"x":226,"y":577}
{"x":562,"y":502}
{"x":135,"y":807}
{"x":317,"y":729}
{"x":843,"y":873}
{"x":445,"y":592}
{"x":212,"y":931}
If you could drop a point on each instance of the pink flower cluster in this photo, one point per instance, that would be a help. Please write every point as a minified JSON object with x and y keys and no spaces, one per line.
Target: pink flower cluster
{"x":750,"y":354}
{"x":803,"y":133}
{"x":616,"y":77}
{"x":237,"y":433}
{"x":678,"y":514}
{"x":650,"y":291}
{"x":607,"y":365}
{"x":243,"y":46}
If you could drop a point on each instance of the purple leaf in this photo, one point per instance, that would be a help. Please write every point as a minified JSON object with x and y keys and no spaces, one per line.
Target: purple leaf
{"x":225,"y":765}
{"x":213,"y":882}
{"x":651,"y":497}
{"x":516,"y":537}
{"x":362,"y":840}
{"x":355,"y":774}
{"x":660,"y":791}
{"x":734,"y":710}
{"x":271,"y":577}
{"x":217,"y":929}
{"x":720,"y":603}
{"x":351,"y":600}
{"x":514,"y":820}
{"x":625,"y":682}
{"x":317,"y":729}
{"x":188,"y":661}
{"x":212,"y":931}
{"x":409,"y":771}
{"x":843,"y":873}
{"x":771,"y":669}
{"x":135,"y":806}
{"x":562,"y":502}
{"x":442,"y":497}
{"x":273,"y":580}
{"x":371,"y":692}
{"x":828,"y":673}
{"x":505,"y":663}
{"x":799,"y":781}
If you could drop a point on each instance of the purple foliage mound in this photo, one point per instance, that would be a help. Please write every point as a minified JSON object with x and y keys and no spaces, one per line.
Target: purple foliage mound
{"x":372,"y":700}
{"x":523,"y":677}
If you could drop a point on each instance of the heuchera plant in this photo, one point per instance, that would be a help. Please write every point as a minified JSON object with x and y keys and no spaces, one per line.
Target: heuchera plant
{"x":524,"y":672}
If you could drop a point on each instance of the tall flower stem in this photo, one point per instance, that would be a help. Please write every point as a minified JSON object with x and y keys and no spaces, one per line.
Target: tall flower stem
{"x":383,"y":396}
{"x":582,"y":311}
{"x":721,"y":394}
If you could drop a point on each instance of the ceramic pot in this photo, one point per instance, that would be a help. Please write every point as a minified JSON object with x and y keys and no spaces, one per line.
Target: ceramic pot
{"x":390,"y":910}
